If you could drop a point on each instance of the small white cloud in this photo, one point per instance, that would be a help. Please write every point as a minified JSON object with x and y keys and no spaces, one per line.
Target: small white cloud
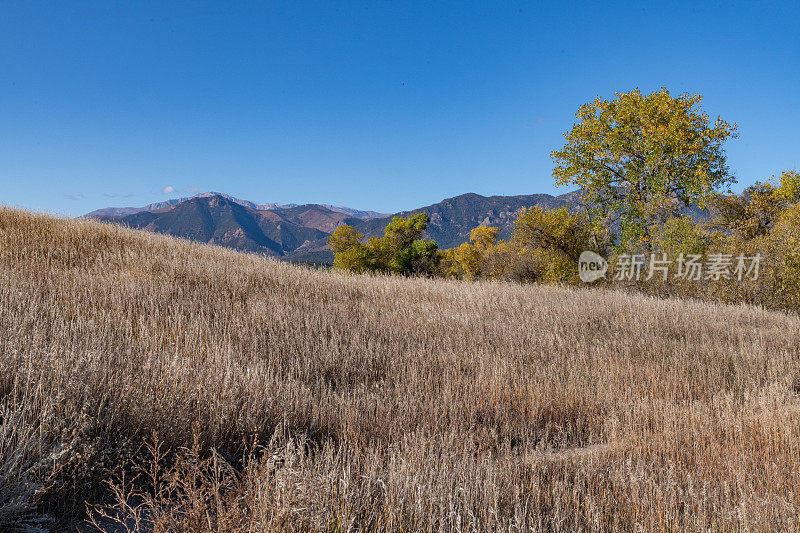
{"x":74,"y":197}
{"x":169,"y":189}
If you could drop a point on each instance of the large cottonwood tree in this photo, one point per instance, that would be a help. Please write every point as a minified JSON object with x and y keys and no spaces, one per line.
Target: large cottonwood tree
{"x":640,"y":158}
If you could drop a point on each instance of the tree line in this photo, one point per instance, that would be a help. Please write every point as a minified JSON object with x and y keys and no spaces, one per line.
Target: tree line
{"x":641,"y":162}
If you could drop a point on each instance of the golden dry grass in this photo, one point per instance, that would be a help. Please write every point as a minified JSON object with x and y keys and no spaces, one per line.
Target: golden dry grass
{"x":379,"y":403}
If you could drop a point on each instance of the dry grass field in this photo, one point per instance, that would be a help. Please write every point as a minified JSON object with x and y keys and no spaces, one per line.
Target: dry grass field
{"x":182,"y":387}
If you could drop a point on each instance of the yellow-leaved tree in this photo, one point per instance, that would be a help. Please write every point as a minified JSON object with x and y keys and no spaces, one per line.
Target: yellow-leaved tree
{"x":639,"y":158}
{"x":466,"y":261}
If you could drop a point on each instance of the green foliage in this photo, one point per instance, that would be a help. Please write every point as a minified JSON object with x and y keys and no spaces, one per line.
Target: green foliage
{"x":639,"y":158}
{"x":403,"y":231}
{"x":680,"y":235}
{"x":401,"y":250}
{"x":405,"y":250}
{"x":421,"y":257}
{"x":350,"y":252}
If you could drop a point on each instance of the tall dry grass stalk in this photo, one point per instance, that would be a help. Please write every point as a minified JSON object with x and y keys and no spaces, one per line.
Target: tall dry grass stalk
{"x":378,"y":403}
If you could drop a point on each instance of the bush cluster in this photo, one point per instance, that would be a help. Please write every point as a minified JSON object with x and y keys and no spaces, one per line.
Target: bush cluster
{"x":546,"y":243}
{"x":401,"y":250}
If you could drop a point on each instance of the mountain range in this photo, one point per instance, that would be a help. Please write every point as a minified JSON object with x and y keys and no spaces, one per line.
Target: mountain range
{"x":300,"y":232}
{"x":122,"y":211}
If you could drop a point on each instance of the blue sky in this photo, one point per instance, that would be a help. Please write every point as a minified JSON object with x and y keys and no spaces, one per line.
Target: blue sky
{"x":374,"y":105}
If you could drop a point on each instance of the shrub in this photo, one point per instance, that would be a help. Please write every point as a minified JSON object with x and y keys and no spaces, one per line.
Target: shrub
{"x":551,"y":241}
{"x":545,"y":247}
{"x":780,"y":280}
{"x":467,"y":260}
{"x":350,"y":252}
{"x":749,"y":215}
{"x":400,"y":251}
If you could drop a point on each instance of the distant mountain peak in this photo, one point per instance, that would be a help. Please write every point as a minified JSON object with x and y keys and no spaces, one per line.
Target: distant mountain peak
{"x":168,"y":204}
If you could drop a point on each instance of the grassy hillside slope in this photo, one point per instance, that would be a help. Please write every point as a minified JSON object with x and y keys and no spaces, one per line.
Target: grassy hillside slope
{"x":379,"y":403}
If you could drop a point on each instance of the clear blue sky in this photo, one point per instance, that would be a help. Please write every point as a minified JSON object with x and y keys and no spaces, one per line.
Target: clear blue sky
{"x":374,"y":105}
